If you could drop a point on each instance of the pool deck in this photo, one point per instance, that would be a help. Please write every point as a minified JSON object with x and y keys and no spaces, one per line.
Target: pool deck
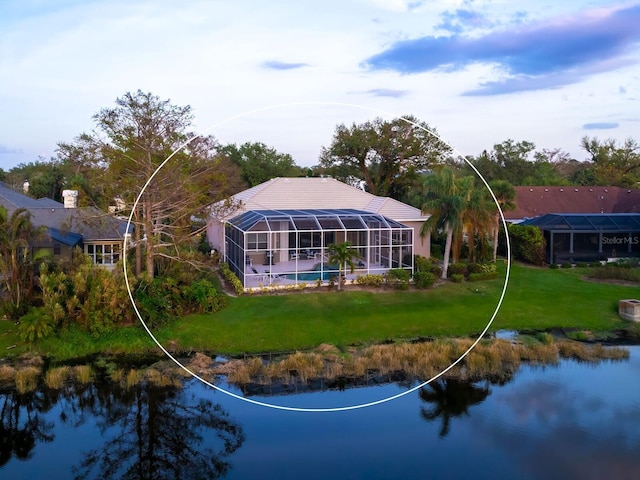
{"x":276,"y":274}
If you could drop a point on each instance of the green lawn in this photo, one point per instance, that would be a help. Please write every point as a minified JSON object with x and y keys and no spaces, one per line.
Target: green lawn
{"x":537,"y":298}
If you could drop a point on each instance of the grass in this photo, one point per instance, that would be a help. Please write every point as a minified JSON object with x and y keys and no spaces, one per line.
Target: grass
{"x":537,"y":299}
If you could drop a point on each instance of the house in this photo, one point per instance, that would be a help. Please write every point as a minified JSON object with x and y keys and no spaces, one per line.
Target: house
{"x":533,"y":202}
{"x":98,"y":235}
{"x":281,"y":229}
{"x":579,"y":223}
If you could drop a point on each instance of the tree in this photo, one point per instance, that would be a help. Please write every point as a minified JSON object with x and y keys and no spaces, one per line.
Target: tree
{"x":342,"y":254}
{"x":132,"y":141}
{"x":17,"y":277}
{"x":613,"y":164}
{"x":443,"y":200}
{"x":505,"y":195}
{"x":260,"y":163}
{"x":478,"y":217}
{"x":383,"y":155}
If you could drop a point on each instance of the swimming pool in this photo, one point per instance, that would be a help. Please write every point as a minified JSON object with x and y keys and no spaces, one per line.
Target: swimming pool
{"x":314,"y":274}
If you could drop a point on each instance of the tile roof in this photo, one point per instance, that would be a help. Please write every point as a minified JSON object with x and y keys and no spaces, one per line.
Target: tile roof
{"x":535,"y":201}
{"x":321,"y":193}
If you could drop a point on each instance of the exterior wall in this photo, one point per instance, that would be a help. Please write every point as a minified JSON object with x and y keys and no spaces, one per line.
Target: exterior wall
{"x":421,"y":246}
{"x":215,"y":235}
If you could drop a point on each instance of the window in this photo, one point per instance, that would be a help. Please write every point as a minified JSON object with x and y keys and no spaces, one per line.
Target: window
{"x":256,"y":241}
{"x":103,"y":254}
{"x":56,"y":248}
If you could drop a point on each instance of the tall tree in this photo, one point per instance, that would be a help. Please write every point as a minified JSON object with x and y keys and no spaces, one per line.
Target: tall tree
{"x":260,"y":163}
{"x":444,"y":200}
{"x":383,"y":155}
{"x":478,"y":217}
{"x":132,"y":141}
{"x":17,"y":235}
{"x":614,"y":164}
{"x":505,"y":195}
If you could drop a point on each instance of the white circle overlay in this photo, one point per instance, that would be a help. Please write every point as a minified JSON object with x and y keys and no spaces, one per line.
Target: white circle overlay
{"x":315,"y":409}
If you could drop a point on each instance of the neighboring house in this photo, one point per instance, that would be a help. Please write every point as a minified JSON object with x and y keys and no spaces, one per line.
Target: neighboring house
{"x":533,"y":202}
{"x":582,"y":223}
{"x":98,"y":235}
{"x":280,"y":231}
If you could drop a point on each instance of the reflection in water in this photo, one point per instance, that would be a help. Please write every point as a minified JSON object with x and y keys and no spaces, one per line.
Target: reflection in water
{"x":22,"y":425}
{"x":149,"y":431}
{"x":450,"y":398}
{"x":156,"y":432}
{"x":574,"y":420}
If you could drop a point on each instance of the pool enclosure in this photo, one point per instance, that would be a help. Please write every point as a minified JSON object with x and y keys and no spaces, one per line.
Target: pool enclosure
{"x":589,"y":237}
{"x":290,"y":247}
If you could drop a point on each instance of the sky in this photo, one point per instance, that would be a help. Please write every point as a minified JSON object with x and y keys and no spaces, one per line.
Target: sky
{"x":287,"y":72}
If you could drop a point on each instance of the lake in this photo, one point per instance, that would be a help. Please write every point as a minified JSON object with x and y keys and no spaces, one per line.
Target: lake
{"x":573,"y":420}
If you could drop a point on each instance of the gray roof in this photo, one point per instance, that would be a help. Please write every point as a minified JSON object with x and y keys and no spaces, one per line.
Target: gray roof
{"x":575,"y":222}
{"x":65,"y":224}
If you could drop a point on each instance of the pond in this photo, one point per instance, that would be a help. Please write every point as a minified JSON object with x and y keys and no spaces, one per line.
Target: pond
{"x":572,"y":420}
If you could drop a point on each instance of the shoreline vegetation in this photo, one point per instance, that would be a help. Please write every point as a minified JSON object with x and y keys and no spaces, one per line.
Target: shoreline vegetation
{"x":537,"y":300}
{"x":495,"y":359}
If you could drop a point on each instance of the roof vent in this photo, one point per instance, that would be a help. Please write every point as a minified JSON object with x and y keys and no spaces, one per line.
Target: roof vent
{"x":546,"y":189}
{"x":591,"y":189}
{"x":575,"y":189}
{"x":562,"y":189}
{"x":531,"y":189}
{"x":606,"y":191}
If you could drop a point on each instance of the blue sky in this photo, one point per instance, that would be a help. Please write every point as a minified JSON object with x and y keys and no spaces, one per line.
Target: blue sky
{"x":285,"y":73}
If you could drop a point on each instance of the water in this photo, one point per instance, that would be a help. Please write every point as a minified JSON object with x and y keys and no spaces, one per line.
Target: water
{"x":571,"y":421}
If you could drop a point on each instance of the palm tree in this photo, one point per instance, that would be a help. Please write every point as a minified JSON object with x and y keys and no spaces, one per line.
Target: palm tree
{"x":478,"y":219}
{"x":342,"y":254}
{"x":17,"y":234}
{"x":505,"y":195}
{"x":446,"y":204}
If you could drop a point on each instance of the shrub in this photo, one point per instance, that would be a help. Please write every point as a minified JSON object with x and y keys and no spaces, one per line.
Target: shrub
{"x":613,"y":272}
{"x":203,"y":297}
{"x":34,"y":325}
{"x":477,"y":277}
{"x":457,"y":269}
{"x":528,"y":243}
{"x":457,"y":277}
{"x":423,"y":279}
{"x":435,"y":270}
{"x":370,"y":280}
{"x":565,"y":265}
{"x":481,"y":268}
{"x":231,"y":278}
{"x":554,"y":266}
{"x":421,"y":264}
{"x":398,"y":278}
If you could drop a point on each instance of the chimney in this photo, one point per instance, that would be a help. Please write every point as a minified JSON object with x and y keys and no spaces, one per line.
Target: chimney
{"x":70,"y":198}
{"x":25,"y":186}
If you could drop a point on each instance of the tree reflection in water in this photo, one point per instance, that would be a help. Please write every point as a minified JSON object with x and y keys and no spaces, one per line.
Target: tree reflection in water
{"x":21,"y":424}
{"x":451,"y":398}
{"x":156,"y":433}
{"x":149,"y":431}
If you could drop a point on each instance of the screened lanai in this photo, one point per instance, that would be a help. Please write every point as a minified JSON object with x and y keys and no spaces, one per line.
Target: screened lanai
{"x":589,"y":237}
{"x":290,"y":247}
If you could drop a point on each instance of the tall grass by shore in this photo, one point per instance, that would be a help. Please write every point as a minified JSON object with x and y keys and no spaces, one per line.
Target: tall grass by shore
{"x":420,"y":361}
